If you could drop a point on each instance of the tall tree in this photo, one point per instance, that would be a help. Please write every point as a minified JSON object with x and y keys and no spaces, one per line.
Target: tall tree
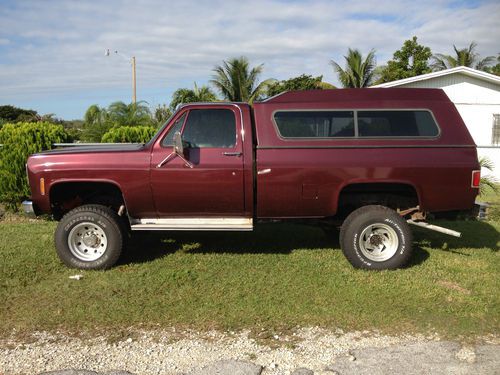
{"x":198,"y":94}
{"x":358,"y":72}
{"x":9,"y":113}
{"x":409,"y":61}
{"x":302,"y":82}
{"x":237,"y":82}
{"x":463,"y":57}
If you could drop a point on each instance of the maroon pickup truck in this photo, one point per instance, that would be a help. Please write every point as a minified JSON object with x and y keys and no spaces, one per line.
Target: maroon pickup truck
{"x":372,"y":160}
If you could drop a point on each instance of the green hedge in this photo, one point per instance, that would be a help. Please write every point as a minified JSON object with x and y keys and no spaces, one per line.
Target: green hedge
{"x":19,"y":141}
{"x":131,"y":134}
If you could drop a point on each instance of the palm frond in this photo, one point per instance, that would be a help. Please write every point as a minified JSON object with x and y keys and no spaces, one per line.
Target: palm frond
{"x":486,"y":62}
{"x":487,"y":182}
{"x":486,"y":163}
{"x":358,"y":72}
{"x":341,"y":73}
{"x":260,"y":90}
{"x":463,"y":57}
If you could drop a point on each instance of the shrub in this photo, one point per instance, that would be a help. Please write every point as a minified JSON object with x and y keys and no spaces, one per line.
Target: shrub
{"x":131,"y":134}
{"x":19,"y":141}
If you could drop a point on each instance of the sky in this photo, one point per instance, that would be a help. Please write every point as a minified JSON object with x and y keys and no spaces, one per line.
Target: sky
{"x":52,"y":52}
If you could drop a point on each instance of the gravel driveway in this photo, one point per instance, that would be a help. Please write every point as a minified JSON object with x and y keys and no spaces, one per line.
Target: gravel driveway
{"x":305,"y":352}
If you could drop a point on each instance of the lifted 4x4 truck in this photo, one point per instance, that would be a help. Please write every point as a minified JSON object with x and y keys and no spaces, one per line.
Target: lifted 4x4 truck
{"x":372,"y":160}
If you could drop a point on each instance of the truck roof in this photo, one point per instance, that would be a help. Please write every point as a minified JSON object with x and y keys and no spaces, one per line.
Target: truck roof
{"x":368,"y":94}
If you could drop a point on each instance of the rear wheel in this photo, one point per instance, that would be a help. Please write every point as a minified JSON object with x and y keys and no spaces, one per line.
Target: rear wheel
{"x":89,"y":237}
{"x":377,"y":238}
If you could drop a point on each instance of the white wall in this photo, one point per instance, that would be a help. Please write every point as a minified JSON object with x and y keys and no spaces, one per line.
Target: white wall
{"x":476,"y":101}
{"x":479,"y":121}
{"x":462,"y":89}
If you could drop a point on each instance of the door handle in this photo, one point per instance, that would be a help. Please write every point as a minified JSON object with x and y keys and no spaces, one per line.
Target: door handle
{"x":232,"y":153}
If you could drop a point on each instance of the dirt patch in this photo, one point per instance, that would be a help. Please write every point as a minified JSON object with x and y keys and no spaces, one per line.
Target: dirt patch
{"x":454,"y":286}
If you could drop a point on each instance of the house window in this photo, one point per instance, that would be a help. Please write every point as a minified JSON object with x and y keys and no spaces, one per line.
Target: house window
{"x":495,"y":134}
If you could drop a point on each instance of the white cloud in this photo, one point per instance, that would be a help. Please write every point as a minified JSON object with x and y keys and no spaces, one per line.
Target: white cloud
{"x":58,"y":46}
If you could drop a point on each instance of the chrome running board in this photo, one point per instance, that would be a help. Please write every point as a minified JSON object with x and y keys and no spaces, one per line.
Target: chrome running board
{"x":183,"y":223}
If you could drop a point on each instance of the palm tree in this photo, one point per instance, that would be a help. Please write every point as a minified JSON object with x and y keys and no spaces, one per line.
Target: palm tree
{"x":358,"y":71}
{"x":198,"y":94}
{"x":237,"y":83}
{"x":463,"y":57}
{"x":94,"y":115}
{"x":495,"y":69}
{"x":95,"y":124}
{"x":132,"y":114}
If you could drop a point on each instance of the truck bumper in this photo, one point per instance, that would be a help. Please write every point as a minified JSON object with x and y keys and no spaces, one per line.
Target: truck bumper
{"x":28,"y":209}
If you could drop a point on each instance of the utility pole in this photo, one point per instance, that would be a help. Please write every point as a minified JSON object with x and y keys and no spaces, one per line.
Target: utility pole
{"x":134,"y":86}
{"x":134,"y":81}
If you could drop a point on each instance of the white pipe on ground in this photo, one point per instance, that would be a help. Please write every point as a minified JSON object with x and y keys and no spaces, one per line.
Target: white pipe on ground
{"x":436,"y":228}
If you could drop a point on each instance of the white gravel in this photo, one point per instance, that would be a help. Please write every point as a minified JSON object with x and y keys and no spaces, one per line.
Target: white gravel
{"x":171,"y":352}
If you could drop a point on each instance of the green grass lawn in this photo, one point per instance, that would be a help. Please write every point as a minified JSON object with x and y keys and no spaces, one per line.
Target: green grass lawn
{"x":279,"y":277}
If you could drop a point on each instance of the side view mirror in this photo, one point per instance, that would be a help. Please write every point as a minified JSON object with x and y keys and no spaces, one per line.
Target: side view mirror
{"x":178,"y":146}
{"x":177,"y":151}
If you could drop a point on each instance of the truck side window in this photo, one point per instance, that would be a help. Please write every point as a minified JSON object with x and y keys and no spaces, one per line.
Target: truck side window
{"x":210,"y":128}
{"x":169,"y":138}
{"x":396,"y":124}
{"x":315,"y":124}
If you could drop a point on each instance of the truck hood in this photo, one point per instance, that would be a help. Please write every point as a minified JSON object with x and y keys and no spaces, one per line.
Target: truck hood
{"x":94,"y":148}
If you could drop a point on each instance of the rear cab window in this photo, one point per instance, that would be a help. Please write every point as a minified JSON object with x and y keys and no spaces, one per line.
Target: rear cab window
{"x":396,"y":124}
{"x":315,"y":124}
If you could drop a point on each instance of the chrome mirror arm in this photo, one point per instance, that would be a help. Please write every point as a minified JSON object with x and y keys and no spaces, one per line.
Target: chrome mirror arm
{"x":164,"y":161}
{"x":187,"y":162}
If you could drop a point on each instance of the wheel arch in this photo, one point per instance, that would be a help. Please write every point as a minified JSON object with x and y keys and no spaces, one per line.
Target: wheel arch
{"x":66,"y":194}
{"x":391,"y":193}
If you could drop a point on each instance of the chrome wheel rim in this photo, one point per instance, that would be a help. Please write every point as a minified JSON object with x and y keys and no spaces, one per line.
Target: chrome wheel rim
{"x":87,"y":241}
{"x":378,"y":242}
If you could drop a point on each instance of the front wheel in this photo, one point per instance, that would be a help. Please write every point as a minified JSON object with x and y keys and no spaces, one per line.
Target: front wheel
{"x":89,"y":237}
{"x":376,"y":238}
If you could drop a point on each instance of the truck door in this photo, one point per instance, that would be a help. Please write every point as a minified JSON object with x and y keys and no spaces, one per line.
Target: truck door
{"x":209,"y":182}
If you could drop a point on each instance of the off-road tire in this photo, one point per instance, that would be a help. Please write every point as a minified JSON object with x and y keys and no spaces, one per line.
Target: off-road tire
{"x":380,"y":229}
{"x":102,"y":223}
